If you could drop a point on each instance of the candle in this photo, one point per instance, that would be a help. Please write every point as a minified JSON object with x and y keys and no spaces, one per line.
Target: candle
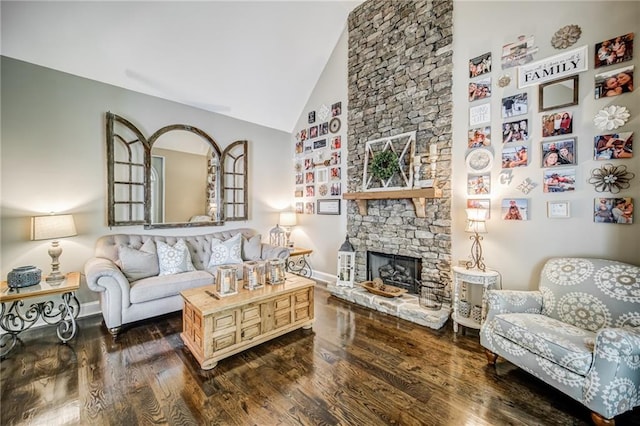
{"x":433,"y":150}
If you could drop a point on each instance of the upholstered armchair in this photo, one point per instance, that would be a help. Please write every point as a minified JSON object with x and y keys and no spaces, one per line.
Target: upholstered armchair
{"x":579,"y":332}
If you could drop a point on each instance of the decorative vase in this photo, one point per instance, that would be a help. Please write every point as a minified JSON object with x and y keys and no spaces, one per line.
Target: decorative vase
{"x":24,"y":276}
{"x":464,"y":308}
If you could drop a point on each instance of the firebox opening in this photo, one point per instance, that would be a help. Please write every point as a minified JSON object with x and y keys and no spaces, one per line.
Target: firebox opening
{"x":395,"y":270}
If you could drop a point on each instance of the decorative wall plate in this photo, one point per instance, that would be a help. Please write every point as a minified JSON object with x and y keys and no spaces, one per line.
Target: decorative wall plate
{"x":479,"y":160}
{"x":504,"y":80}
{"x":334,"y":125}
{"x":610,"y":178}
{"x":566,"y":36}
{"x":323,"y":112}
{"x":611,"y":117}
{"x":323,"y":190}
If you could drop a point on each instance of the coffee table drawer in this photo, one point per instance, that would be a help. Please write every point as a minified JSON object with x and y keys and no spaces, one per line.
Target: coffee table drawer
{"x":224,"y":341}
{"x":282,"y":303}
{"x":224,"y":320}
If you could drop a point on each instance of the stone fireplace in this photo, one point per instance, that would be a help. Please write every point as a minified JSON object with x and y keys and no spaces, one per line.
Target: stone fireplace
{"x":400,"y":77}
{"x":399,"y":271}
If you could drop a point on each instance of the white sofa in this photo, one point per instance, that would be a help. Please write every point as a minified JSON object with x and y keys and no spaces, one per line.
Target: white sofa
{"x":134,"y":285}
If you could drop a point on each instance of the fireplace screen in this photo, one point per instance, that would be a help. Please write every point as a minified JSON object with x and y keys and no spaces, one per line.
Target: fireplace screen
{"x":395,"y":270}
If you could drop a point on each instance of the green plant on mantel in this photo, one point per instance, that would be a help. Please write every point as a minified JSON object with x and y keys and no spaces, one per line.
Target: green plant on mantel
{"x":384,"y":164}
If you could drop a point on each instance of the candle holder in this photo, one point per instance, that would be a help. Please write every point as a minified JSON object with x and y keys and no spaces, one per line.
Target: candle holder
{"x":254,"y":276}
{"x":276,"y":271}
{"x":226,"y":281}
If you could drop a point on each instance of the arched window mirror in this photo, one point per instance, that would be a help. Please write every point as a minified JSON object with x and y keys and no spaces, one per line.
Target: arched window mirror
{"x":174,"y":178}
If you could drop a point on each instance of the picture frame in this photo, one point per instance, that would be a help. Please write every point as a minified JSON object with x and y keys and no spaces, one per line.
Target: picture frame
{"x":559,"y":179}
{"x":554,"y":67}
{"x":479,"y":137}
{"x":515,"y":131}
{"x":613,"y":146}
{"x":515,"y":209}
{"x":617,"y":210}
{"x":559,"y":93}
{"x":480,"y":65}
{"x":558,"y":209}
{"x":560,"y":152}
{"x":480,"y":89}
{"x":312,"y":117}
{"x":322,"y":175}
{"x":614,"y":82}
{"x":479,"y":114}
{"x":515,"y":105}
{"x":480,"y":203}
{"x":557,"y":124}
{"x":613,"y":51}
{"x":328,"y":206}
{"x":479,"y":184}
{"x":515,"y":156}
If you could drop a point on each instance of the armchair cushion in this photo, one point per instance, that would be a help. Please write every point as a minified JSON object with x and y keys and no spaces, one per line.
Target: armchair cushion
{"x":252,"y":248}
{"x":560,"y":343}
{"x":174,"y":260}
{"x":226,"y":252}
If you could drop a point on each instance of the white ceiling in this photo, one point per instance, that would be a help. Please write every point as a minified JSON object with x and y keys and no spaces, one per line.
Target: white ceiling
{"x":253,"y":60}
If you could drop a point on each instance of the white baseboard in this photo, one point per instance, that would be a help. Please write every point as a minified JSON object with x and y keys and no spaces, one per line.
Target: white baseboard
{"x":321,"y":276}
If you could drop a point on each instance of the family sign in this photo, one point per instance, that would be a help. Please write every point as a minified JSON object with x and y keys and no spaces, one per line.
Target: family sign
{"x":553,"y":68}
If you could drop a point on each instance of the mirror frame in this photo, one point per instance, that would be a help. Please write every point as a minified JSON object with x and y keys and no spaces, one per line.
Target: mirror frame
{"x":542,"y":86}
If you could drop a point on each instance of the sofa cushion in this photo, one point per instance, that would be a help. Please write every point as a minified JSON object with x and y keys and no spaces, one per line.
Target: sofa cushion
{"x":226,"y":252}
{"x":153,"y":288}
{"x":174,"y":260}
{"x":138,"y":264}
{"x":561,"y":343}
{"x":252,"y":247}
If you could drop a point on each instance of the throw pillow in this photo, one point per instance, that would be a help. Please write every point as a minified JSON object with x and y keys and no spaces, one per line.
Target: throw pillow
{"x":138,"y":264}
{"x":226,"y":252}
{"x":252,"y":248}
{"x":174,"y":260}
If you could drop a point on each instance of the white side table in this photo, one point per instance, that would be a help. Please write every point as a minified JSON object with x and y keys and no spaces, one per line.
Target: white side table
{"x":461,"y":275}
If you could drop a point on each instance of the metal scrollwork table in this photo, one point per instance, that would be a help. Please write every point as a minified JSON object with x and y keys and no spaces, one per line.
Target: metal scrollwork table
{"x":17,"y":316}
{"x":298,"y":262}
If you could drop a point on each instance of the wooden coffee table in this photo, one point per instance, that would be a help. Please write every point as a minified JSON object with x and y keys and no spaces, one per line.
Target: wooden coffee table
{"x":216,"y":328}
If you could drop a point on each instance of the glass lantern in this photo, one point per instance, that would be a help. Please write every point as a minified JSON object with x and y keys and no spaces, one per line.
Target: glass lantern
{"x":254,"y":276}
{"x":277,"y":236}
{"x":226,"y":281}
{"x":276,"y":271}
{"x":346,"y":264}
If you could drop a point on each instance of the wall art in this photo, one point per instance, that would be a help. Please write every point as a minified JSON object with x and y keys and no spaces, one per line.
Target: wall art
{"x":479,"y":114}
{"x":519,"y":52}
{"x":566,"y":36}
{"x":515,"y":156}
{"x":559,"y":180}
{"x":614,"y":51}
{"x":388,"y":162}
{"x":613,"y":210}
{"x":480,"y":203}
{"x":311,"y":117}
{"x":559,"y":152}
{"x":553,"y":67}
{"x":610,"y":178}
{"x":336,"y":109}
{"x":329,"y":206}
{"x":556,"y":124}
{"x":479,"y":184}
{"x":614,"y":145}
{"x":515,"y":105}
{"x":479,"y":160}
{"x":479,"y":137}
{"x":515,"y":209}
{"x":526,"y":186}
{"x":611,"y":117}
{"x":480,"y":89}
{"x":515,"y":131}
{"x":558,"y":209}
{"x":480,"y":65}
{"x":614,"y":82}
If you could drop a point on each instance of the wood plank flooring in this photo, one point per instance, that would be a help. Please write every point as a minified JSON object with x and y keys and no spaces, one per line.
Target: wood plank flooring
{"x":356,"y":367}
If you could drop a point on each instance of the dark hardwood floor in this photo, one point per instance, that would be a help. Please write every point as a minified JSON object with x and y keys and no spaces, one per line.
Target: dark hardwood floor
{"x":356,"y":367}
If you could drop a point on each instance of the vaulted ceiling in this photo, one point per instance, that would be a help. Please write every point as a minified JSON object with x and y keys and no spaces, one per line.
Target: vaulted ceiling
{"x":253,"y":60}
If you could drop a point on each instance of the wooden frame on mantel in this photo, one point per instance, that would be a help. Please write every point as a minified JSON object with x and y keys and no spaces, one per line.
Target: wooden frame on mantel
{"x":418,"y":196}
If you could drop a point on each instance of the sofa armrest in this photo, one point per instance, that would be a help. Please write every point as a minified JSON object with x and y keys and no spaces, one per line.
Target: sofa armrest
{"x":512,"y":301}
{"x":270,"y":251}
{"x":615,"y":343}
{"x":97,"y":268}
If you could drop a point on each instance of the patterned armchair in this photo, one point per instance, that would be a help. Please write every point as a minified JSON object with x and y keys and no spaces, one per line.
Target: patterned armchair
{"x":579,"y":332}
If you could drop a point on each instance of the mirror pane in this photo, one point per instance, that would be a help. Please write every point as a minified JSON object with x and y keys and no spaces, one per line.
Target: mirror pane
{"x":558,"y":93}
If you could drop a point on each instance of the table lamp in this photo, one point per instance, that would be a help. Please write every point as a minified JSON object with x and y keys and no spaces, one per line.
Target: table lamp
{"x":288,"y":220}
{"x":53,"y":227}
{"x":476,"y":224}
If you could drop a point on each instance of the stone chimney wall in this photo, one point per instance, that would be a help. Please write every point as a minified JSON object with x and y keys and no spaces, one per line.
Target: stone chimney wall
{"x":400,"y":78}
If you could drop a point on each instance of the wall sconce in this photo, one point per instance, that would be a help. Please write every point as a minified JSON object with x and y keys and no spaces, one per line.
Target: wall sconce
{"x":476,"y":223}
{"x":53,"y":227}
{"x":288,"y":220}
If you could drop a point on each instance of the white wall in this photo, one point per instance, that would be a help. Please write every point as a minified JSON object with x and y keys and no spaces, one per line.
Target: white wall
{"x":518,"y":249}
{"x":54,"y":159}
{"x":325,"y":233}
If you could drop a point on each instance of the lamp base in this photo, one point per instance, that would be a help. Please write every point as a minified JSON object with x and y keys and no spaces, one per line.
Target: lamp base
{"x":56,"y":278}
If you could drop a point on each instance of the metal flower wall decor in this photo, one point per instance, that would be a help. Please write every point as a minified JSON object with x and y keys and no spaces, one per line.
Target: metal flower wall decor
{"x":566,"y":36}
{"x":611,"y":117}
{"x":610,"y":178}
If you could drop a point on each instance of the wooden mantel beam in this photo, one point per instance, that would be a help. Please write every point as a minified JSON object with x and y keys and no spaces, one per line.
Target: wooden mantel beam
{"x":418,"y":196}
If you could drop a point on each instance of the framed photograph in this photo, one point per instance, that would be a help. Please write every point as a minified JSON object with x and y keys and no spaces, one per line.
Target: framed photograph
{"x":336,"y":109}
{"x":519,"y":52}
{"x":514,"y":105}
{"x":310,"y":191}
{"x":556,"y":124}
{"x":299,"y":178}
{"x":515,"y":156}
{"x":336,"y":142}
{"x":299,"y":147}
{"x":614,"y":51}
{"x":323,"y":190}
{"x":299,"y":192}
{"x":299,"y":207}
{"x":308,"y":146}
{"x":558,"y":209}
{"x":515,"y":131}
{"x":319,"y":144}
{"x":479,"y":137}
{"x":335,"y":173}
{"x":480,"y":65}
{"x":559,"y":153}
{"x":480,"y":89}
{"x":323,"y":128}
{"x":309,"y":177}
{"x":328,"y":206}
{"x":559,"y":180}
{"x":479,"y":184}
{"x":479,"y":114}
{"x":614,"y":82}
{"x":480,"y":203}
{"x":613,"y":146}
{"x":322,"y":175}
{"x":312,"y":117}
{"x":309,"y":207}
{"x":515,"y":209}
{"x":336,"y":188}
{"x":613,"y":210}
{"x":313,"y":132}
{"x":335,"y":159}
{"x":303,"y":135}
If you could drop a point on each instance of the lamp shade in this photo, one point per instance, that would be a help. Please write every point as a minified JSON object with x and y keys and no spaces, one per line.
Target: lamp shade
{"x":287,"y":219}
{"x":52,"y":226}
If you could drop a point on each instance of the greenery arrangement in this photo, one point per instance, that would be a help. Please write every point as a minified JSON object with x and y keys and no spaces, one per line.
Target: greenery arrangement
{"x":384,"y":164}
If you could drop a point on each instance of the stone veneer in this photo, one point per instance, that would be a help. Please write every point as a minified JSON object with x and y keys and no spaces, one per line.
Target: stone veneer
{"x":400,"y":78}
